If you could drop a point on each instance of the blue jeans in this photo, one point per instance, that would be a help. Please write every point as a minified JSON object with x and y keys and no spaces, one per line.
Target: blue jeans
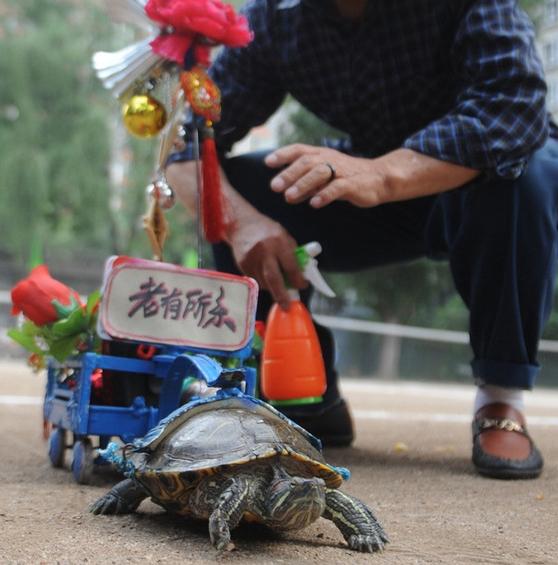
{"x":499,"y":236}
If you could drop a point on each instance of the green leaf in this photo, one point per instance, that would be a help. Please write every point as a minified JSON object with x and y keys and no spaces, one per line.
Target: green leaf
{"x":74,"y":324}
{"x":61,"y":349}
{"x":65,"y":311}
{"x":92,"y":301}
{"x":25,"y":340}
{"x":31,"y":329}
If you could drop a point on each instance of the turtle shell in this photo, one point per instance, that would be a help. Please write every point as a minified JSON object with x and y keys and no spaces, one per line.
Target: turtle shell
{"x":209,"y":435}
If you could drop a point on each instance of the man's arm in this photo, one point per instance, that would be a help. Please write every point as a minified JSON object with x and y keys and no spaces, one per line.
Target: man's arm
{"x":499,"y":117}
{"x":399,"y":175}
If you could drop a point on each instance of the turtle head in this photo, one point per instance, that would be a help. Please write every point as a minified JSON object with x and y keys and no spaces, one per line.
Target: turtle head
{"x":294,"y":502}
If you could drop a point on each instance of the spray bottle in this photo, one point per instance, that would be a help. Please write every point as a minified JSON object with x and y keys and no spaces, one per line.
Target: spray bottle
{"x":292,"y":367}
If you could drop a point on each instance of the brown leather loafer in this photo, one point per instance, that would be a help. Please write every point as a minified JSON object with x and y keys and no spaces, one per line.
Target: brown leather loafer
{"x":502,"y":448}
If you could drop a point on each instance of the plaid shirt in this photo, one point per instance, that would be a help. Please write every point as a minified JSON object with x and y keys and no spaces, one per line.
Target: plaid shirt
{"x":458,"y":80}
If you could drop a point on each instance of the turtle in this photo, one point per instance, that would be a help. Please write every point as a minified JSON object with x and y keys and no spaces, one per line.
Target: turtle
{"x":231,"y":457}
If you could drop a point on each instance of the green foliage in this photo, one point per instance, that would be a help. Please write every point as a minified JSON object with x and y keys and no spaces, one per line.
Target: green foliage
{"x":55,"y":132}
{"x":531,"y":6}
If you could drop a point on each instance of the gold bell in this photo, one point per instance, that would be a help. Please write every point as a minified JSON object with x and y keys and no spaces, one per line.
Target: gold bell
{"x":144,"y":116}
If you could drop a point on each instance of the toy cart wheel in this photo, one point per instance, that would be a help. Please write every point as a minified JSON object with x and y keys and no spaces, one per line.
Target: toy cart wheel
{"x":82,"y":462}
{"x":57,"y":446}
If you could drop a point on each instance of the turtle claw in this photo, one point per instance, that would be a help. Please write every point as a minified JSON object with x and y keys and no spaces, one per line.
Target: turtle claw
{"x":365,"y":543}
{"x":109,"y":504}
{"x":220,"y":535}
{"x":123,"y":498}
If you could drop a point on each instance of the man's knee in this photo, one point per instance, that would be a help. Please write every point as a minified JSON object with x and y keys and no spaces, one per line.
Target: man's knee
{"x":526,"y":206}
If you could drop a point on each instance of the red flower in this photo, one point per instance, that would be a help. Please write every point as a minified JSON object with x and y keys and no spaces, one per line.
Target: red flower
{"x":42,"y":299}
{"x":211,"y":19}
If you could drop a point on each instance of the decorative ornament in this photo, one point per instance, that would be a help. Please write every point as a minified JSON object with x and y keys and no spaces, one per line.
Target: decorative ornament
{"x":144,"y":116}
{"x":157,"y":227}
{"x":162,"y":192}
{"x":197,"y":24}
{"x":213,"y":220}
{"x":202,"y":93}
{"x":179,"y":37}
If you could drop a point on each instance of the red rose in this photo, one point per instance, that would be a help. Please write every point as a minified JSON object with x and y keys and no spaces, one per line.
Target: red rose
{"x":188,"y":18}
{"x":42,"y":299}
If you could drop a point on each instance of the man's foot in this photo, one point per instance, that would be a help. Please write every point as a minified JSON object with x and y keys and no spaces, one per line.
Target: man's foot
{"x":331,"y":423}
{"x":502,"y":448}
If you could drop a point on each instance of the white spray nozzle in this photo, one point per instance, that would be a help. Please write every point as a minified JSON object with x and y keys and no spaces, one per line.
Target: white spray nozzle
{"x":305,"y":256}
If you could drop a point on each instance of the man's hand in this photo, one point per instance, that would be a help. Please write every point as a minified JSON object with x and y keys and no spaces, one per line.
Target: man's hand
{"x":263,"y":249}
{"x":322,"y":175}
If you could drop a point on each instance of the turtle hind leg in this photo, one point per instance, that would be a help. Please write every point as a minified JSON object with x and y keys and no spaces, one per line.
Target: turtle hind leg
{"x":123,"y":498}
{"x":228,"y":511}
{"x":356,"y":522}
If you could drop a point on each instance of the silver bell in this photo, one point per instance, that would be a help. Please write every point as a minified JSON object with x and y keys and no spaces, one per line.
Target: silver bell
{"x":161,"y":190}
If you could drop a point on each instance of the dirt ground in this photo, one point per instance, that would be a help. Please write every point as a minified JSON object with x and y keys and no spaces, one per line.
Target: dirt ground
{"x":410,"y":462}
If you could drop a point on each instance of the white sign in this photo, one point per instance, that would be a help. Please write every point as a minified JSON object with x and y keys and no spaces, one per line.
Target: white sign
{"x":160,"y":303}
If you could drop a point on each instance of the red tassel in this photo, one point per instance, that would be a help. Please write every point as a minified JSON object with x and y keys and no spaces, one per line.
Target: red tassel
{"x":212,"y":203}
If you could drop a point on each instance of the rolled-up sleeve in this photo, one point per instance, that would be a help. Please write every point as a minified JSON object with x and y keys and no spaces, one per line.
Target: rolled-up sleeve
{"x":250,"y":88}
{"x":499,"y":117}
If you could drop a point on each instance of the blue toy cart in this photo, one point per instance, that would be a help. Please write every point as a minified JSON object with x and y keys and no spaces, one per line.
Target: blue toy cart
{"x":79,"y":420}
{"x":68,"y":407}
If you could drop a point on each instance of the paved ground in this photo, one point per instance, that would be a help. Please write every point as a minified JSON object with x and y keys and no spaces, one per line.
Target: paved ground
{"x":410,"y":462}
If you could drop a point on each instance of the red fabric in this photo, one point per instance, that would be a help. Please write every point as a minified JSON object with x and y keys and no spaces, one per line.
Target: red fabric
{"x":211,"y":19}
{"x":34,"y":295}
{"x":212,"y":202}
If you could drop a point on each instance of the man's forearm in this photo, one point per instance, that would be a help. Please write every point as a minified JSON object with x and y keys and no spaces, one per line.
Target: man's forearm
{"x":409,"y":174}
{"x":322,"y":175}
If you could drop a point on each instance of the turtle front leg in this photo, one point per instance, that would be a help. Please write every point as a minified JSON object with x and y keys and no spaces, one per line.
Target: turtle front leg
{"x":356,"y":522}
{"x":123,"y":498}
{"x":228,"y":512}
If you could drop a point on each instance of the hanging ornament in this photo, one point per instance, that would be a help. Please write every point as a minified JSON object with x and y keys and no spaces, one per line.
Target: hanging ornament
{"x":171,"y":29}
{"x":212,"y":208}
{"x":179,"y":35}
{"x":162,"y":192}
{"x":202,"y":93}
{"x":144,"y":116}
{"x":156,"y":227}
{"x":204,"y":97}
